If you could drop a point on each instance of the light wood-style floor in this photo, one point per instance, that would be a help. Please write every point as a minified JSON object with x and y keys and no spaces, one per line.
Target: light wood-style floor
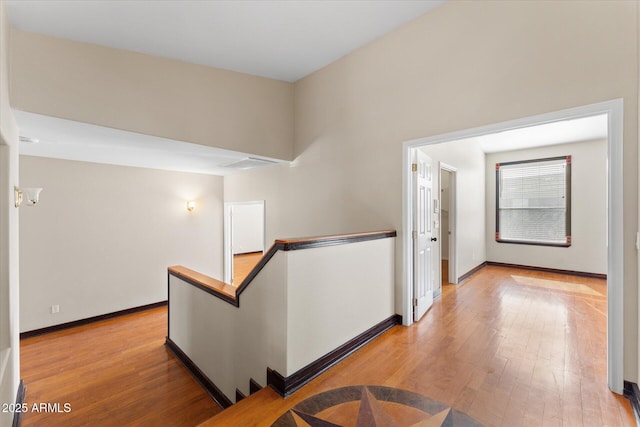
{"x":243,"y":264}
{"x":507,"y":347}
{"x":115,"y":372}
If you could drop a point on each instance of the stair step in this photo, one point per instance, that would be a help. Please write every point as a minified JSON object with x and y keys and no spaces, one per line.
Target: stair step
{"x":252,"y":411}
{"x":254,"y":386}
{"x":239,"y":395}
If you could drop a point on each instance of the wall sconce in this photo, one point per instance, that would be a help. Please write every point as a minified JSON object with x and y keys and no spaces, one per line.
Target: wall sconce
{"x":191,"y":205}
{"x":29,"y":195}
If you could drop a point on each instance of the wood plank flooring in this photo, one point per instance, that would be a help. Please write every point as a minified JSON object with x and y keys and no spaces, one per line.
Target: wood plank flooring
{"x":505,"y":347}
{"x":115,"y":372}
{"x":243,"y":264}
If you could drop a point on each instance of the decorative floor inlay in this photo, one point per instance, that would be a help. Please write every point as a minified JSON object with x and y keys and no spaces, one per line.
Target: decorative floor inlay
{"x":372,"y":406}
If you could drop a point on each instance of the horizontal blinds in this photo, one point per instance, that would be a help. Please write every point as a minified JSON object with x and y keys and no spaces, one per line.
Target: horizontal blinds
{"x":532,"y":204}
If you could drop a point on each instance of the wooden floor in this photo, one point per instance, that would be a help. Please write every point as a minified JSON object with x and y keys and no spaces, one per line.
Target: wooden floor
{"x":507,"y":347}
{"x":113,"y":373}
{"x":243,"y":264}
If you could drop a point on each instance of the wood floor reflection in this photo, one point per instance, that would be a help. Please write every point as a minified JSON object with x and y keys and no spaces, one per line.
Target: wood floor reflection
{"x":499,"y":348}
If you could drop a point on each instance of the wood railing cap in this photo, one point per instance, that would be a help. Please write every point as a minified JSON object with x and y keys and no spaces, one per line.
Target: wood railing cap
{"x":202,"y":280}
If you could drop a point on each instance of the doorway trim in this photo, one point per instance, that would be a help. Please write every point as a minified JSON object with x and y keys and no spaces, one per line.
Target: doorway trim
{"x":615,"y":247}
{"x":228,"y":235}
{"x":453,"y":222}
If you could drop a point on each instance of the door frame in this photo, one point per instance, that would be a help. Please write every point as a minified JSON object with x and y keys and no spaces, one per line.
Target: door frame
{"x":453,"y":222}
{"x":228,"y":234}
{"x":615,"y":242}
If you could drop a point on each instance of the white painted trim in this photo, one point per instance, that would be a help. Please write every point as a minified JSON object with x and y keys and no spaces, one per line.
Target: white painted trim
{"x":615,"y":246}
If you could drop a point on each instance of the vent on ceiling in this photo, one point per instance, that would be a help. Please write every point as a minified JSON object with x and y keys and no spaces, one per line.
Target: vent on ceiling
{"x":248,"y":163}
{"x":28,"y":140}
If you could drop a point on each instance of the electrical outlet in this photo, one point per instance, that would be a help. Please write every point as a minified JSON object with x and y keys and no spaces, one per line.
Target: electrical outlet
{"x":55,"y":309}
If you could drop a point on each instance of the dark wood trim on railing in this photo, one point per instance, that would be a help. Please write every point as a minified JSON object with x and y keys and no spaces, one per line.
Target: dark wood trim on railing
{"x":340,"y":239}
{"x":549,"y":270}
{"x":287,"y":385}
{"x":231,"y":295}
{"x":213,"y":391}
{"x":632,"y":392}
{"x":93,"y":319}
{"x":17,"y":415}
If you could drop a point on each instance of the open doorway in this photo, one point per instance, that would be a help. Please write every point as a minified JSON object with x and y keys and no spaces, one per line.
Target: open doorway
{"x":244,"y":224}
{"x":449,"y":271}
{"x":612,"y":111}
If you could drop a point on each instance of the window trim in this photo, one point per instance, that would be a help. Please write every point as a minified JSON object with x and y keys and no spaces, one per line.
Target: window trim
{"x":567,"y":242}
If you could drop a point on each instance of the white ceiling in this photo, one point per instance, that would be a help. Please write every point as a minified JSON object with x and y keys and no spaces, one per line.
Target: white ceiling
{"x":564,"y":132}
{"x":284,"y":40}
{"x":65,"y":139}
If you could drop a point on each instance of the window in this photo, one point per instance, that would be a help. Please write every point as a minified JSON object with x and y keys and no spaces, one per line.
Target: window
{"x":533,"y":202}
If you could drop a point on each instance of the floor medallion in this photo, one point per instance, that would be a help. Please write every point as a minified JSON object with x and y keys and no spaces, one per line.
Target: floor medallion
{"x":372,"y":406}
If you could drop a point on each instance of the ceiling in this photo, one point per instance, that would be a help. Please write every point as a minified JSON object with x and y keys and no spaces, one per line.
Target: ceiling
{"x":284,"y":40}
{"x":45,"y":136}
{"x":564,"y":132}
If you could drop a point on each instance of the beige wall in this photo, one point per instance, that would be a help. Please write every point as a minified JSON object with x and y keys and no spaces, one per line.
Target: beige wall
{"x":151,"y":95}
{"x":588,"y":250}
{"x":102,"y":236}
{"x":463,"y":65}
{"x":9,"y":300}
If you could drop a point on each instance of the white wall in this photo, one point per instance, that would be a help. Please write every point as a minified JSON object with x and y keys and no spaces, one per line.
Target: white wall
{"x":102,"y":236}
{"x":469,"y":159}
{"x":248,"y":227}
{"x":334,"y":294}
{"x":588,"y":250}
{"x":9,"y":261}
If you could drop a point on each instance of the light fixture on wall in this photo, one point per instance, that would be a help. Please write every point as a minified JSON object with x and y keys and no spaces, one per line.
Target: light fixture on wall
{"x":191,"y":205}
{"x":28,"y":195}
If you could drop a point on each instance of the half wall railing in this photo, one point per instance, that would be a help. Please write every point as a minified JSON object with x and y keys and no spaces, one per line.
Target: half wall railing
{"x":307,"y":304}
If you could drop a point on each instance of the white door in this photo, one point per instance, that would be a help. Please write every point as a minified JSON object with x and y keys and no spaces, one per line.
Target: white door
{"x":422,"y":234}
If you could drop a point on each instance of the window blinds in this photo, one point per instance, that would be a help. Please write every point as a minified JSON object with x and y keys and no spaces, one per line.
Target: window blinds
{"x":533,"y":201}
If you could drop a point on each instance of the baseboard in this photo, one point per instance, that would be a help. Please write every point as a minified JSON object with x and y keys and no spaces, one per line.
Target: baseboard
{"x":471,"y":272}
{"x":17,"y":415}
{"x":549,"y":270}
{"x":632,"y":392}
{"x":94,"y":319}
{"x":287,"y":385}
{"x":213,"y":391}
{"x":239,"y":395}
